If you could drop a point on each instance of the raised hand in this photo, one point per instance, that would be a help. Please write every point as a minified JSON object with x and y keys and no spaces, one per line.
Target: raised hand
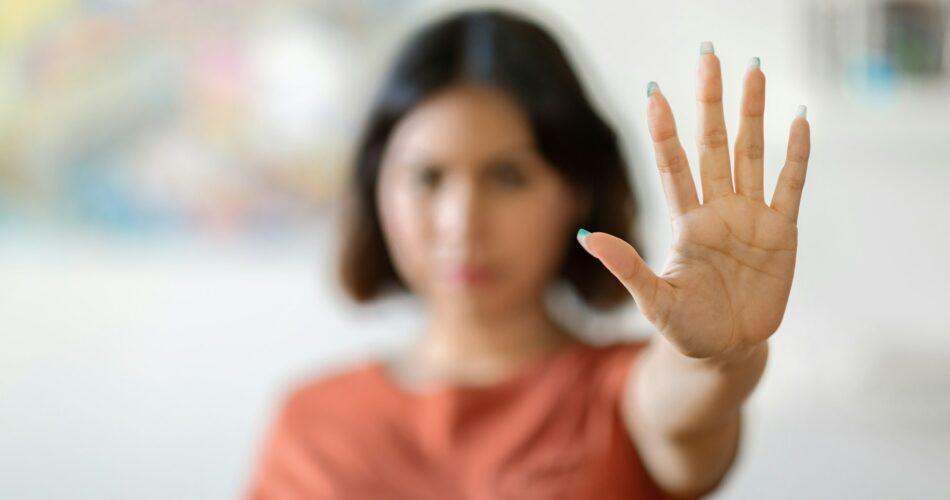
{"x":725,"y":284}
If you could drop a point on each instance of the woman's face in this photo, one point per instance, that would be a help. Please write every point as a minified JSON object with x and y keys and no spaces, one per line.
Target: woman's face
{"x":474,"y":217}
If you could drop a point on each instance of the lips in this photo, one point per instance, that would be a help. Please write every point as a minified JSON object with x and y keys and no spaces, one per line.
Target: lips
{"x":470,"y":274}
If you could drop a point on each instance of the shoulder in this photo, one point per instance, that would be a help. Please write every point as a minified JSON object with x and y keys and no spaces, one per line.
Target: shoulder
{"x":332,"y":393}
{"x":316,"y":415}
{"x":611,"y":364}
{"x":617,"y":355}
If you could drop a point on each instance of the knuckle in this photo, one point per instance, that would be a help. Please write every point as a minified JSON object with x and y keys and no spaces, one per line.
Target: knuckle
{"x":714,"y":139}
{"x":717,"y":177}
{"x":798,"y":158}
{"x":794,"y":182}
{"x":671,"y":163}
{"x":753,"y":192}
{"x":630,"y":272}
{"x":709,"y":96}
{"x":751,"y":151}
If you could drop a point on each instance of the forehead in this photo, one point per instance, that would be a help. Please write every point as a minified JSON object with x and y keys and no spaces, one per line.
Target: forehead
{"x":465,"y":121}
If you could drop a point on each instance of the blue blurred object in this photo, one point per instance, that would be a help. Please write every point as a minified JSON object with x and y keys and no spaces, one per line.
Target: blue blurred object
{"x":874,"y":75}
{"x":97,"y":192}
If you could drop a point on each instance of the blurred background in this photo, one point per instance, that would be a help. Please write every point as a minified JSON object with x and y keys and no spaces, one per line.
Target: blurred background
{"x":169,"y":179}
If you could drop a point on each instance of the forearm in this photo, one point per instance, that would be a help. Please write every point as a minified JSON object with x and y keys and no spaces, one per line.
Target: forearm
{"x":681,"y":397}
{"x":685,"y":412}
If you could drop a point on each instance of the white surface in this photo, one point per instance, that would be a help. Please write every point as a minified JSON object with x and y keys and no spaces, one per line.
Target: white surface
{"x":149,"y":369}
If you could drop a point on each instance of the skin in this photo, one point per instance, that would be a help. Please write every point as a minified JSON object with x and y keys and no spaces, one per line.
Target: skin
{"x":477,"y":223}
{"x":722,"y":293}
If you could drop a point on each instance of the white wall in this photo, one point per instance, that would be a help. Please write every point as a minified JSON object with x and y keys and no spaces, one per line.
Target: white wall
{"x":141,"y":369}
{"x":856,"y":399}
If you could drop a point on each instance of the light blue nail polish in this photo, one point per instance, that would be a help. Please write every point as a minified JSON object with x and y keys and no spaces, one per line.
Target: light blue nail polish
{"x":802,"y":111}
{"x":582,"y":234}
{"x":755,"y":63}
{"x":706,"y":48}
{"x":651,"y":88}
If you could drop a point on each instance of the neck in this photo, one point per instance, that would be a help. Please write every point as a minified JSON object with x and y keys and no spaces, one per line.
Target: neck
{"x":481,"y":348}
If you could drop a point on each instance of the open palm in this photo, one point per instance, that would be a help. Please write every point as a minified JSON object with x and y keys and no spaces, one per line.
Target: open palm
{"x":726,"y":282}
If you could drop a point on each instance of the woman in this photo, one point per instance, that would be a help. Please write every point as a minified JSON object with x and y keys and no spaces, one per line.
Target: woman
{"x":481,"y":158}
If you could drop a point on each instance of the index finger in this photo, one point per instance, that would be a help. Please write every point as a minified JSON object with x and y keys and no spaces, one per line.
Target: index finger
{"x":678,"y":185}
{"x":791,"y":180}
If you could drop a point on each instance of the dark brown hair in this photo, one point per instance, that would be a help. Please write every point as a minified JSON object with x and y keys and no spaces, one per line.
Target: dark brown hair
{"x":509,"y":52}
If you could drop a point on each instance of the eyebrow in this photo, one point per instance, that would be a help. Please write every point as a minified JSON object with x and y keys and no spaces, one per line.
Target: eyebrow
{"x":418,"y":154}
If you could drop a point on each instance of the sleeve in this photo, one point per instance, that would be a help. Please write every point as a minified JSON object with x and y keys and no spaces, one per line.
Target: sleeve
{"x":271,"y":479}
{"x":285,"y":469}
{"x":618,"y":362}
{"x":619,"y":365}
{"x":315,"y":448}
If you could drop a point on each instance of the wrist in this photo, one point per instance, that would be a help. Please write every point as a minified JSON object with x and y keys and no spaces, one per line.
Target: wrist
{"x":732,"y":359}
{"x":739,"y":357}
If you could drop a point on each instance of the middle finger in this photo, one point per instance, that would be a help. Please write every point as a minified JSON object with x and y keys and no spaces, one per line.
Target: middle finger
{"x":714,"y":166}
{"x":749,"y":141}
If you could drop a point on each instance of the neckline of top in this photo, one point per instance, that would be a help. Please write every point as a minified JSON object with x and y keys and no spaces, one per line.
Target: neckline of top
{"x":518,"y":376}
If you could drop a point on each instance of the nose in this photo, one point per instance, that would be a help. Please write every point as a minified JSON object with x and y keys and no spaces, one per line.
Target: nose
{"x":460,"y":218}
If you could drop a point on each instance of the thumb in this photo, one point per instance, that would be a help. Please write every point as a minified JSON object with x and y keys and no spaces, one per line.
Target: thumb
{"x":623,"y":261}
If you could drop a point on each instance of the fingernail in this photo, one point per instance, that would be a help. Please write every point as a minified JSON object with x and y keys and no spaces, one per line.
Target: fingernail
{"x":582,"y":235}
{"x":802,"y":111}
{"x":651,"y":88}
{"x":706,"y":48}
{"x":755,"y":63}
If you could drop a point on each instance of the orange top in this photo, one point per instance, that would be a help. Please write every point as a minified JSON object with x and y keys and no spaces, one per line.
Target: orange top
{"x":552,"y":430}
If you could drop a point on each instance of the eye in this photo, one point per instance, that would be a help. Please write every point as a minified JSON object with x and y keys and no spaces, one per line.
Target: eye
{"x":508,"y":175}
{"x":427,"y":176}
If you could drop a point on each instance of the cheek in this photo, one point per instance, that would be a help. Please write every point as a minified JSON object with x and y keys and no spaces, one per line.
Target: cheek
{"x":535,"y":233}
{"x":405,"y":229}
